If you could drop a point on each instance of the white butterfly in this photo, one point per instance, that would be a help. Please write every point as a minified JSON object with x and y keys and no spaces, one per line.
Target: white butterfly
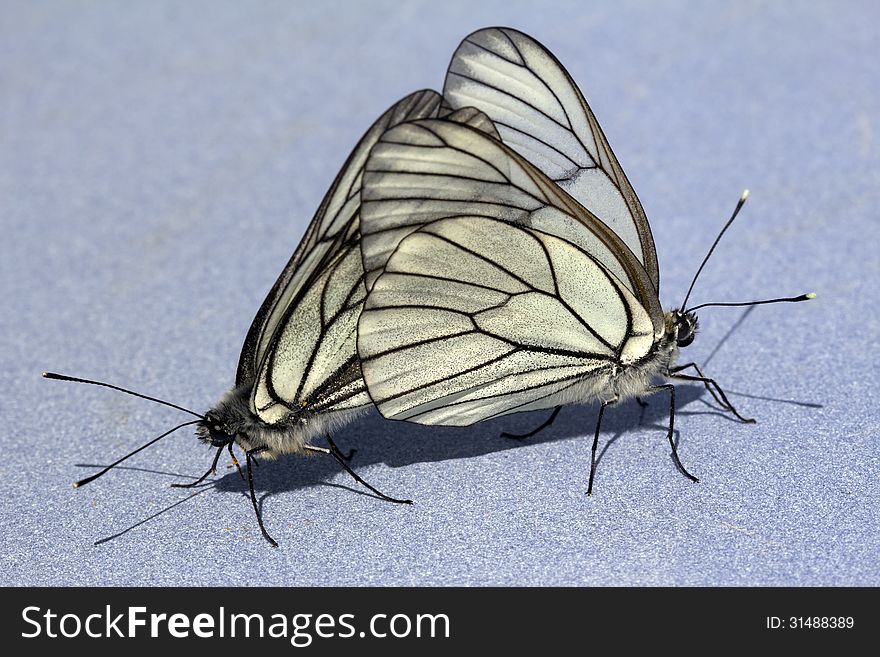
{"x":298,"y":373}
{"x":514,"y":276}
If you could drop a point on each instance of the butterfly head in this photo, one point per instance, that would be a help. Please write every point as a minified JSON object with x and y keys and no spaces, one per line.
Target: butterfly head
{"x":684,"y":325}
{"x":214,"y":431}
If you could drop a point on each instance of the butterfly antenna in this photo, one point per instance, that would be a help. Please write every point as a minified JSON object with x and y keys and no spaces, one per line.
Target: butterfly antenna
{"x":803,"y":297}
{"x":739,"y":204}
{"x":64,"y":377}
{"x":83,"y":482}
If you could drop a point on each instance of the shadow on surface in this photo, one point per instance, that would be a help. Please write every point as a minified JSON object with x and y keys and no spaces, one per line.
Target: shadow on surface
{"x":399,"y":444}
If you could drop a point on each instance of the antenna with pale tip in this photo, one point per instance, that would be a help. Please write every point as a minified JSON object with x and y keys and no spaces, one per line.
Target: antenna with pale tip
{"x":74,"y":379}
{"x":684,"y":309}
{"x":83,"y":482}
{"x":64,"y":377}
{"x":739,"y":204}
{"x":802,"y":297}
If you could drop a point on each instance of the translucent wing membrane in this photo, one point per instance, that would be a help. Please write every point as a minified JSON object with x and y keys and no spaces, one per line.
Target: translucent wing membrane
{"x":301,"y":348}
{"x":301,"y":344}
{"x":540,"y":112}
{"x":313,"y":355}
{"x":426,"y":170}
{"x":475,"y":317}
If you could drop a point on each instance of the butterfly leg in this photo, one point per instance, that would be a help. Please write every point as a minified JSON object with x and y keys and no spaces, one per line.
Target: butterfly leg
{"x":235,"y":461}
{"x":670,"y":434}
{"x":676,"y":373}
{"x":642,"y":406}
{"x":347,"y":457}
{"x":596,"y":442}
{"x":711,"y":386}
{"x":249,"y":457}
{"x":336,"y":454}
{"x":544,"y":425}
{"x":210,"y":471}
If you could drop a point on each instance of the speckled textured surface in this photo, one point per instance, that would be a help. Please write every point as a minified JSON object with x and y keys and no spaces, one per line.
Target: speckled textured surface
{"x":159,"y":162}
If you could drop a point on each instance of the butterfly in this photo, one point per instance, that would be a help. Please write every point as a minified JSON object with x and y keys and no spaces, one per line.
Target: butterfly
{"x":513,"y":274}
{"x":298,"y":374}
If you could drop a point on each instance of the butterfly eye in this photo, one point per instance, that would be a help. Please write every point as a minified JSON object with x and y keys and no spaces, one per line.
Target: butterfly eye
{"x":687,"y":329}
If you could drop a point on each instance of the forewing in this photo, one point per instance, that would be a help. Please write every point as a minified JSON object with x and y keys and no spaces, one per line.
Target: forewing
{"x":313,"y":356}
{"x":540,"y":112}
{"x":301,"y":344}
{"x":476,"y":317}
{"x":427,"y":170}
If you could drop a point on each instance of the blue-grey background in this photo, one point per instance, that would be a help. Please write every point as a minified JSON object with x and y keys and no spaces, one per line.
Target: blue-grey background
{"x":159,"y":162}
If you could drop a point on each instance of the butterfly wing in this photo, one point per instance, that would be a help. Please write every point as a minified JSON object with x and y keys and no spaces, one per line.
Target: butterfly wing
{"x":301,"y":349}
{"x":540,"y":112}
{"x":301,"y":344}
{"x":475,"y":317}
{"x":425,"y":170}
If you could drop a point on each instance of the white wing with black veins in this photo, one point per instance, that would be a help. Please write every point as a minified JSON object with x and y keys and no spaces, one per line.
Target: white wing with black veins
{"x":301,"y":346}
{"x":540,"y":112}
{"x":476,"y":317}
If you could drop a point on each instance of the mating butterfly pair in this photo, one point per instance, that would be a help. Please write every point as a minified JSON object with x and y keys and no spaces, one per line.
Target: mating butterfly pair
{"x":480,"y":253}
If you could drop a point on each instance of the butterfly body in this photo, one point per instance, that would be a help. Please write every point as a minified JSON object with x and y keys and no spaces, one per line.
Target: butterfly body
{"x":232,"y":420}
{"x":513,"y":273}
{"x":298,"y":375}
{"x":480,"y":253}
